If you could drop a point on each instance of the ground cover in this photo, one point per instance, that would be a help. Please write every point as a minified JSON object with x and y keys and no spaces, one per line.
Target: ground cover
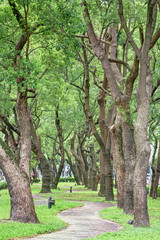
{"x":49,"y":221}
{"x":128,"y":232}
{"x":47,"y":217}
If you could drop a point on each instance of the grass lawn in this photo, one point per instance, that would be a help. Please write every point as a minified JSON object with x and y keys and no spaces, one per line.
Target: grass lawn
{"x":128,"y":232}
{"x":47,"y":217}
{"x":49,"y":221}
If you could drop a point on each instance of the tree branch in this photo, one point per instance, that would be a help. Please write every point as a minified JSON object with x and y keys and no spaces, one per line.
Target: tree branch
{"x":127,"y":31}
{"x":7,"y":123}
{"x":116,"y":60}
{"x":77,"y":86}
{"x":155,"y":38}
{"x":102,"y":56}
{"x":43,"y":73}
{"x":155,"y":88}
{"x":17,"y":14}
{"x":100,"y":39}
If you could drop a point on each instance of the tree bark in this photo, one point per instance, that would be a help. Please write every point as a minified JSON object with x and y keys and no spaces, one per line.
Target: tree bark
{"x":143,"y":153}
{"x":79,"y":160}
{"x":157,"y":175}
{"x":111,"y":70}
{"x":81,"y":140}
{"x":103,"y":130}
{"x":61,"y":147}
{"x":152,"y":167}
{"x":141,"y":217}
{"x":104,"y":155}
{"x":36,"y":148}
{"x":142,"y":146}
{"x":79,"y":171}
{"x":118,"y":159}
{"x":22,"y":205}
{"x":145,"y":82}
{"x":129,"y":151}
{"x":73,"y":168}
{"x":108,"y":164}
{"x":93,"y":171}
{"x":25,"y":131}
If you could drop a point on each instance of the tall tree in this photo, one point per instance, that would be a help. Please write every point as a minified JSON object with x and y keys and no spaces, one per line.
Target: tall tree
{"x":120,"y":98}
{"x":122,"y":101}
{"x":18,"y":172}
{"x":143,"y":101}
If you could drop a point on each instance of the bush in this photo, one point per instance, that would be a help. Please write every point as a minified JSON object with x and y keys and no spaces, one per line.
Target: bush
{"x":66,"y":179}
{"x":3,"y":185}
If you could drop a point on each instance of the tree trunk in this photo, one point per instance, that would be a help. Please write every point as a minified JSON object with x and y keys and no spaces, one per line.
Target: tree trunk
{"x":35,"y":175}
{"x":46,"y":174}
{"x":157,"y":175}
{"x":90,"y":179}
{"x":56,"y":179}
{"x":102,"y":175}
{"x":25,"y":131}
{"x":93,"y":170}
{"x":152,"y":182}
{"x":129,"y":151}
{"x":22,"y":205}
{"x":82,"y":165}
{"x":80,"y":161}
{"x":108,"y":165}
{"x":73,"y":168}
{"x":109,"y":172}
{"x":61,"y":141}
{"x":102,"y":142}
{"x":118,"y":159}
{"x":141,"y":217}
{"x":81,"y":141}
{"x":79,"y":172}
{"x":152,"y":167}
{"x":54,"y":171}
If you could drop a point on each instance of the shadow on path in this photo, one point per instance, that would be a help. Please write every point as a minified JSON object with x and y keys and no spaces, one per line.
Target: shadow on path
{"x":84,"y":222}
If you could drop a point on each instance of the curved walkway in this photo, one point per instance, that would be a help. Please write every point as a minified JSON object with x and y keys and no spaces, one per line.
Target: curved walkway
{"x":84,"y":222}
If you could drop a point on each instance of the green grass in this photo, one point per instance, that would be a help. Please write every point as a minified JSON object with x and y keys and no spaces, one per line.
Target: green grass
{"x":79,"y":193}
{"x":50,"y":223}
{"x":128,"y":232}
{"x":47,"y":217}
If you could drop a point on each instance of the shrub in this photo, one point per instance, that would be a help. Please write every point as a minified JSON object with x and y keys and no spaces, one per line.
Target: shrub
{"x":66,"y":179}
{"x":3,"y":185}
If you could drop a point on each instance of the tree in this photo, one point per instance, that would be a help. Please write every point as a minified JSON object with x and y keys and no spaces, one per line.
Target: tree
{"x":143,"y":101}
{"x":122,"y":102}
{"x":17,"y":171}
{"x":106,"y":184}
{"x":121,"y":99}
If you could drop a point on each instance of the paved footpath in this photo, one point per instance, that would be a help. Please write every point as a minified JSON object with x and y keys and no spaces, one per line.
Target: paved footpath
{"x":84,"y":222}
